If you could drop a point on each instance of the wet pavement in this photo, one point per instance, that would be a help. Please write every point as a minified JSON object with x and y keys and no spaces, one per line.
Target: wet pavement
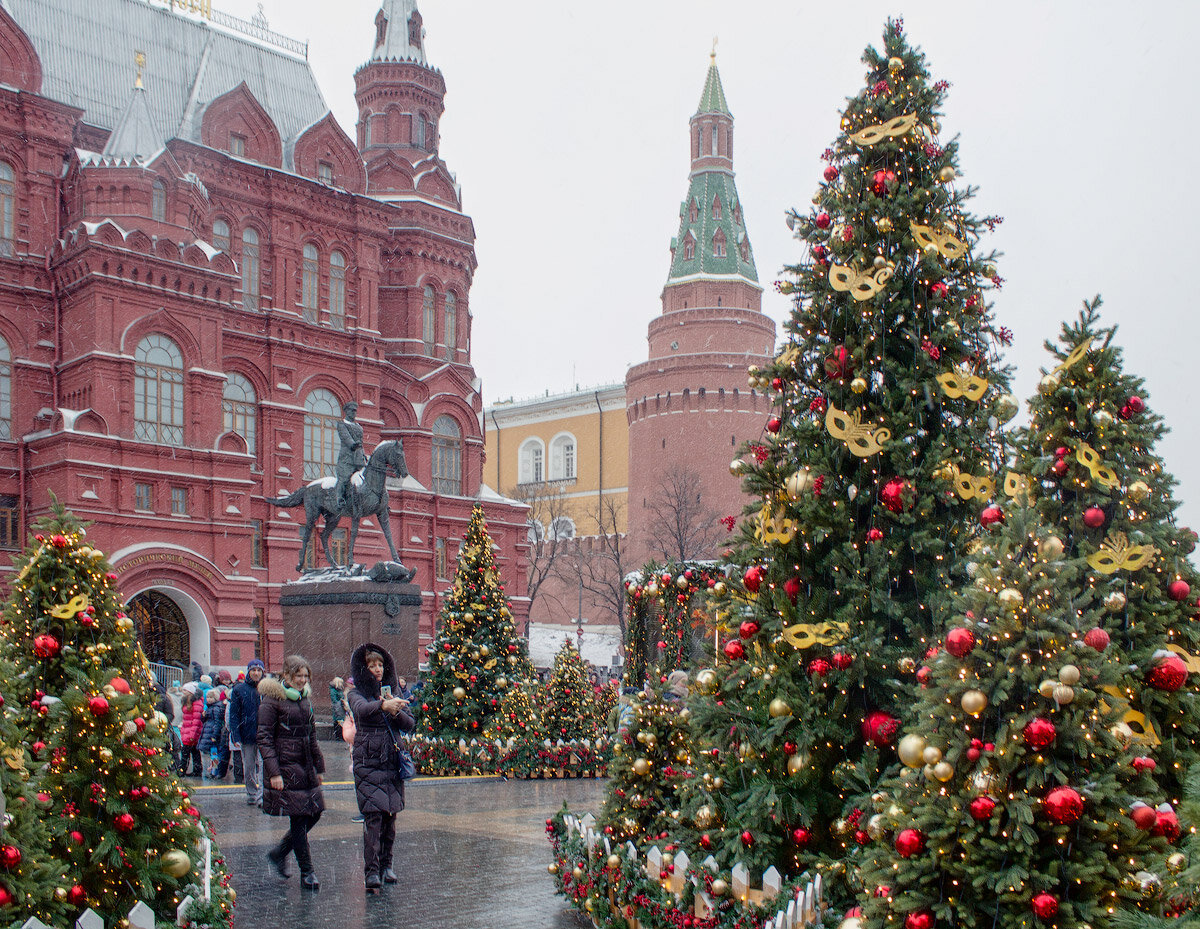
{"x":471,"y":853}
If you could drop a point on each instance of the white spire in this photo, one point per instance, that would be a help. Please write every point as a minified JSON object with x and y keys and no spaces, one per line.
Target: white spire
{"x":399,"y":35}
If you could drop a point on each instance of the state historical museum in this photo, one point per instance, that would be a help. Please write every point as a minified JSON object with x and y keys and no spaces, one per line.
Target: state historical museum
{"x":198,"y":269}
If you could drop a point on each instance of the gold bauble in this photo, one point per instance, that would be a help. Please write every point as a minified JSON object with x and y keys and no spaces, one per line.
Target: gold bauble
{"x":1114,"y":602}
{"x":1138,"y":491}
{"x":106,"y":754}
{"x":779,"y":707}
{"x":1148,"y":882}
{"x":706,"y":681}
{"x":458,"y":693}
{"x":484,"y":651}
{"x":1046,"y":688}
{"x":718,"y":782}
{"x":1051,"y":548}
{"x":577,"y":872}
{"x":797,"y":763}
{"x":719,"y":888}
{"x":501,"y":682}
{"x":60,"y":893}
{"x":641,"y":737}
{"x":641,"y":767}
{"x":931,"y":250}
{"x":1049,"y":383}
{"x":704,"y":816}
{"x":798,"y":483}
{"x":737,"y":466}
{"x":1102,"y":418}
{"x":1069,"y":675}
{"x":511,"y":659}
{"x":883,"y":224}
{"x":614,"y":861}
{"x":880,"y":262}
{"x":652,"y":590}
{"x":895,"y":64}
{"x":850,"y":922}
{"x":910,"y":750}
{"x":858,"y":385}
{"x":1011,"y":599}
{"x":667,"y":859}
{"x":841,"y":826}
{"x":1176,"y":862}
{"x":947,"y":174}
{"x":943,"y":771}
{"x":928,"y":772}
{"x":682,"y":582}
{"x":176,"y":862}
{"x":1006,"y":407}
{"x":651,"y":740}
{"x":719,"y":589}
{"x":984,"y":782}
{"x":974,"y":702}
{"x":1063,"y":694}
{"x":109,"y":691}
{"x":931,"y":755}
{"x":907,"y":665}
{"x":876,"y":826}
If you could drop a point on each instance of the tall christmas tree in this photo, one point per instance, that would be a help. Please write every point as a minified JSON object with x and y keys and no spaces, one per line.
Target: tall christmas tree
{"x":476,"y":653}
{"x":570,"y":713}
{"x":122,"y":827}
{"x":871,"y":480}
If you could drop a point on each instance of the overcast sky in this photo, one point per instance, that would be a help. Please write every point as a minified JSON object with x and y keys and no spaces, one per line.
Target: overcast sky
{"x":566,"y":124}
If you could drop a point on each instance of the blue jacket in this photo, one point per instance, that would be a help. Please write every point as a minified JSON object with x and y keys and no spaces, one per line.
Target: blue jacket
{"x":243,"y":713}
{"x":214,"y":726}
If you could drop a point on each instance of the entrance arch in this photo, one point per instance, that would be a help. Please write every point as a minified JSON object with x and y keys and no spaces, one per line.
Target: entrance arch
{"x":171,"y":626}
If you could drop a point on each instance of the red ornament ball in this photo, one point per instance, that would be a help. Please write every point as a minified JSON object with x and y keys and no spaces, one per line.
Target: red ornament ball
{"x":77,"y":837}
{"x":6,"y":897}
{"x":98,"y":705}
{"x":861,"y":836}
{"x":879,"y":728}
{"x":990,"y":516}
{"x":1136,"y":404}
{"x":823,"y":221}
{"x":125,"y":823}
{"x":1044,"y":905}
{"x":747,"y":838}
{"x":924,"y":674}
{"x":842,"y":661}
{"x":1094,"y":518}
{"x":1144,"y":817}
{"x":1063,"y":805}
{"x":76,"y":895}
{"x":982,"y":808}
{"x":909,"y":842}
{"x":734,"y":650}
{"x":706,"y":841}
{"x":10,"y":856}
{"x":960,"y":642}
{"x":919,"y":919}
{"x":1040,"y":733}
{"x":939,"y":290}
{"x":818,"y":667}
{"x":1096,"y":638}
{"x":753,"y":578}
{"x":46,"y":646}
{"x":748,"y":629}
{"x":1059,"y":468}
{"x":1169,"y":673}
{"x":120,"y":685}
{"x":774,"y":424}
{"x":801,"y":836}
{"x":791,"y":587}
{"x":1178,"y":590}
{"x":1166,"y":824}
{"x":892,"y":495}
{"x":1144,"y":763}
{"x":874,"y":535}
{"x":831,"y":173}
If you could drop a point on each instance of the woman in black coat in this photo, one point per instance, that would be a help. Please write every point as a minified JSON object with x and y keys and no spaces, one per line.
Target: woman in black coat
{"x":292,"y":764}
{"x":377,"y":787}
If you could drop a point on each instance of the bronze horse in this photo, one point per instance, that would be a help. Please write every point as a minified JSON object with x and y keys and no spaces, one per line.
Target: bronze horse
{"x":367,"y":497}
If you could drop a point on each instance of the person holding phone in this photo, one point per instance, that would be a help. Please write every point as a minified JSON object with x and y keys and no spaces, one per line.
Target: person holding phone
{"x":379,"y":718}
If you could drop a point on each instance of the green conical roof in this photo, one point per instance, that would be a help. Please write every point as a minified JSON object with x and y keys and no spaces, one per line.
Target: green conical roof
{"x":713,"y":98}
{"x":711,"y":217}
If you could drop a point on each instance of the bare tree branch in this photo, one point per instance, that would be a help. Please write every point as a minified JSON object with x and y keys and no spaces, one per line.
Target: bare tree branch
{"x":683,"y":528}
{"x":599,"y":563}
{"x":547,"y":511}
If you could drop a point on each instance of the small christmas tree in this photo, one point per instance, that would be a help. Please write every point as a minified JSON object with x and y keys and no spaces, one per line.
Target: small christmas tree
{"x":570,"y":713}
{"x":122,"y":827}
{"x":476,"y":653}
{"x":517,"y":718}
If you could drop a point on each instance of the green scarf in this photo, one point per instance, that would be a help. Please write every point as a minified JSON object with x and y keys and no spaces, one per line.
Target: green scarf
{"x":293,"y":694}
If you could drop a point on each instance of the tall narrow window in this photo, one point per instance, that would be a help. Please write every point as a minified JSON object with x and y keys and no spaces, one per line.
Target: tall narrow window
{"x":337,"y":290}
{"x":310,"y":282}
{"x":240,"y":407}
{"x":143,"y":497}
{"x":447,"y":456}
{"x":250,"y":264}
{"x":179,"y":506}
{"x":5,"y":391}
{"x":256,"y":544}
{"x":368,"y":132}
{"x":451,"y":324}
{"x":714,"y":140}
{"x":716,"y":207}
{"x":220,"y":236}
{"x":427,"y":319}
{"x":8,"y":209}
{"x":325,"y":173}
{"x":10,"y":522}
{"x":158,"y":391}
{"x":237,"y":144}
{"x":439,"y":558}
{"x":562,"y":458}
{"x":693,"y":212}
{"x":321,"y":414}
{"x":689,"y":248}
{"x":418,"y":131}
{"x":718,"y":244}
{"x":531,"y":462}
{"x":158,"y":205}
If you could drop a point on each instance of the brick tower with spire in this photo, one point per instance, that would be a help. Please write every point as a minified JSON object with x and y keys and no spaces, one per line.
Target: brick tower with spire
{"x":688,"y":406}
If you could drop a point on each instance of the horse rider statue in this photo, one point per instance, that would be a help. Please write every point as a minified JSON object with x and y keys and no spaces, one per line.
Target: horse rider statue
{"x":351,"y":457}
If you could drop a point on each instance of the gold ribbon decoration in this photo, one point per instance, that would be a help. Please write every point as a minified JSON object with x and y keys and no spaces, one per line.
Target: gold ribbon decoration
{"x":1116,"y":553}
{"x":899,"y":126}
{"x":1142,"y":728}
{"x":1101,"y":473}
{"x":806,"y":635}
{"x":947,"y":245}
{"x":1076,"y":353}
{"x":774,"y":526}
{"x":1016,"y":485}
{"x":963,"y":382}
{"x":861,"y":440}
{"x":13,"y":757}
{"x":71,"y":608}
{"x":862,"y":285}
{"x":968,"y":486}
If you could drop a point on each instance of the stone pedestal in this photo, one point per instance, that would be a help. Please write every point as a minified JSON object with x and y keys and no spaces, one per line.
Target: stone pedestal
{"x":325,"y":620}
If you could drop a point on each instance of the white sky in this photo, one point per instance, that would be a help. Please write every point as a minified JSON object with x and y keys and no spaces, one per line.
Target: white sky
{"x":566,"y":124}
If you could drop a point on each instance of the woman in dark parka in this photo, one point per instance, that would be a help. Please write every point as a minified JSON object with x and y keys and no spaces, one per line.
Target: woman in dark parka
{"x":378,"y":789}
{"x":292,"y":764}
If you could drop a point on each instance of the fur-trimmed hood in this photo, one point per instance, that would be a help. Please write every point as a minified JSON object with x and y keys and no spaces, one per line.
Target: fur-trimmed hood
{"x":271,"y":687}
{"x":364,"y":680}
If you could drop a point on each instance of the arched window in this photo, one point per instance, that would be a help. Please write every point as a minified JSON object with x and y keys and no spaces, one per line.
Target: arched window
{"x":8,"y":209}
{"x":321,"y":414}
{"x":718,"y":244}
{"x":158,"y":391}
{"x":447,"y":456}
{"x":534,"y":530}
{"x":693,"y":212}
{"x":220,"y":236}
{"x":337,"y":290}
{"x":5,"y":391}
{"x":158,"y":204}
{"x":689,"y":248}
{"x":427,"y":320}
{"x":531,"y":458}
{"x":716,"y":211}
{"x":240,"y":406}
{"x":562,"y":458}
{"x":562,"y":527}
{"x":714,"y":140}
{"x":451,"y":324}
{"x":250,"y":264}
{"x":310,"y":282}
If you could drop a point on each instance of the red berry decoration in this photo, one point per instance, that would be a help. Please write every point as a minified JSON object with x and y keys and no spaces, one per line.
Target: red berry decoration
{"x":45,"y":646}
{"x":1169,"y":673}
{"x":801,"y":837}
{"x":982,"y":807}
{"x":831,"y":173}
{"x":1040,"y":733}
{"x":120,"y":685}
{"x":753,"y":577}
{"x":1063,"y":805}
{"x":892,"y":495}
{"x":909,"y":842}
{"x":1144,"y":817}
{"x":818,"y":667}
{"x":1096,"y":638}
{"x":125,"y":823}
{"x":748,"y":629}
{"x":1178,"y":590}
{"x":861,"y":836}
{"x":823,"y":221}
{"x":734,"y":650}
{"x":1094,"y":518}
{"x":98,"y":705}
{"x":774,"y":424}
{"x":919,"y":919}
{"x":1044,"y":905}
{"x":842,"y":661}
{"x":991,"y":516}
{"x":791,"y":587}
{"x":10,"y":856}
{"x":960,"y":642}
{"x":879,"y":728}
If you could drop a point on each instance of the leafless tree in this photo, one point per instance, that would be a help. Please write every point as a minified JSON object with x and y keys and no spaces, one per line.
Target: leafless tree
{"x":683,"y":528}
{"x":598,"y":564}
{"x":547,"y":516}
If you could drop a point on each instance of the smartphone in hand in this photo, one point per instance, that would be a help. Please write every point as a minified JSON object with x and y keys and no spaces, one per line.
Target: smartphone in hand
{"x":386,"y":691}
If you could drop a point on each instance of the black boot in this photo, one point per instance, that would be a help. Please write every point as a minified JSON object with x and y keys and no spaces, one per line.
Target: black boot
{"x":373,"y":882}
{"x":308,"y":880}
{"x":279,"y":861}
{"x":389,"y":876}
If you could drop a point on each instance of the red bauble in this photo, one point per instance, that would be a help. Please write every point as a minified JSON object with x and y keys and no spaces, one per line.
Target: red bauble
{"x":706,"y":841}
{"x":801,"y":837}
{"x":874,"y":535}
{"x":1059,"y":468}
{"x":1093,"y":517}
{"x":960,"y":642}
{"x":924,"y":674}
{"x":1144,"y":817}
{"x":1044,"y":905}
{"x":1166,"y":824}
{"x":990,"y":516}
{"x":879,"y":728}
{"x":98,"y":705}
{"x":909,"y":842}
{"x":831,"y":173}
{"x":1136,"y":404}
{"x":1144,"y":764}
{"x":6,"y":897}
{"x":973,"y":753}
{"x":818,"y":667}
{"x":939,"y":290}
{"x":892,"y":495}
{"x":733,"y":650}
{"x":45,"y":646}
{"x":1040,"y":733}
{"x":77,"y":837}
{"x":10,"y":856}
{"x":120,"y":685}
{"x":774,"y":424}
{"x":747,"y":629}
{"x":753,"y":578}
{"x":823,"y":221}
{"x":791,"y":587}
{"x":842,"y":661}
{"x":982,"y":808}
{"x":1178,"y":590}
{"x":76,"y":895}
{"x":919,"y":919}
{"x":789,"y":748}
{"x":1063,"y":805}
{"x":1169,"y":673}
{"x":747,"y":838}
{"x":839,"y":364}
{"x":1096,"y":638}
{"x":125,"y":823}
{"x":140,"y":723}
{"x":882,"y":180}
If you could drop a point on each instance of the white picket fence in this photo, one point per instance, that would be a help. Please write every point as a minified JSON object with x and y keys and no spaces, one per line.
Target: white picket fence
{"x":140,"y":917}
{"x":802,"y":909}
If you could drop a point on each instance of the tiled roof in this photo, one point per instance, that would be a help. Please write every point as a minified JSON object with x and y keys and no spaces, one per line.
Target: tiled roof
{"x":135,"y":134}
{"x":713,"y":98}
{"x":704,"y":188}
{"x":87,"y":51}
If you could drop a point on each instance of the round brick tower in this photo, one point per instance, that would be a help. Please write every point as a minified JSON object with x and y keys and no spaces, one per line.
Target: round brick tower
{"x":688,"y":406}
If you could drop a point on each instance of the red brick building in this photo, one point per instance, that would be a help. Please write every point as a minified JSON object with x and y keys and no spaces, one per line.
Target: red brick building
{"x":198,"y":269}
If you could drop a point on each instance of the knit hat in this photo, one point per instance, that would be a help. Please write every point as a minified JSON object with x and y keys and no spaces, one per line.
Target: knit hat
{"x":677,"y":683}
{"x":255,"y":663}
{"x":205,"y":679}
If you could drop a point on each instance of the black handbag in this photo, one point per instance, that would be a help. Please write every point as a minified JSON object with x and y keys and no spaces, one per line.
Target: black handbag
{"x":406,"y":770}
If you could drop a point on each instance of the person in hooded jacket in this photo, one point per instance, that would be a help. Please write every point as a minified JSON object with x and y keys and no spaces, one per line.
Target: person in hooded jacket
{"x":377,"y":786}
{"x":293,"y":765}
{"x":190,"y":725}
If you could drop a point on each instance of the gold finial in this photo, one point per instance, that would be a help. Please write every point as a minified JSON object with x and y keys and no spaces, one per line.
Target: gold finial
{"x":140,"y":60}
{"x":713,"y":54}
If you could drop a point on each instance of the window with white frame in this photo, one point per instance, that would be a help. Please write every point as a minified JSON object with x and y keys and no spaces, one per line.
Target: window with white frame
{"x":179,"y":505}
{"x":251,"y":258}
{"x":562,"y":458}
{"x":562,"y":527}
{"x":337,"y":290}
{"x":158,"y":203}
{"x":451,"y":324}
{"x":310,"y":282}
{"x":8,"y":209}
{"x":447,"y":456}
{"x":158,"y":391}
{"x":532,"y":459}
{"x":220,"y":235}
{"x":322,"y":412}
{"x":427,"y":319}
{"x":240,"y":406}
{"x":5,"y":391}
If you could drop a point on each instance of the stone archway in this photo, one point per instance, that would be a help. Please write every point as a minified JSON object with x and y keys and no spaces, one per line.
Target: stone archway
{"x":171,"y":626}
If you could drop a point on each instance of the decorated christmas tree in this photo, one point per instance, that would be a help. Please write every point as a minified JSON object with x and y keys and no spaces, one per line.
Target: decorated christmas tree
{"x":517,"y":717}
{"x":476,"y":654}
{"x":122,"y":828}
{"x":874,"y":473}
{"x":667,"y":616}
{"x":570,"y":712}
